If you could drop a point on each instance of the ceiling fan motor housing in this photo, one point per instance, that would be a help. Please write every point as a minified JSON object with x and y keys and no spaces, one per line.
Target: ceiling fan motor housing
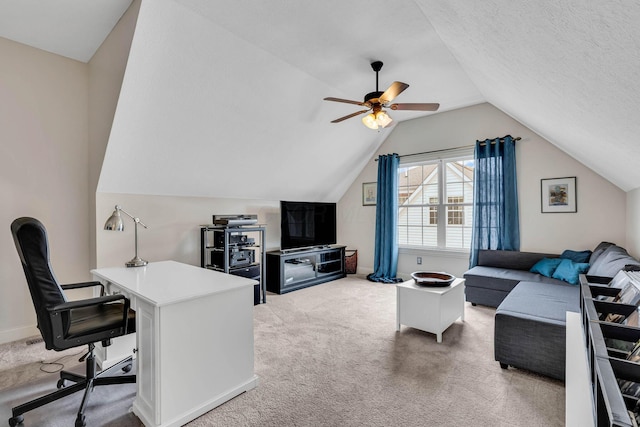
{"x":373,"y":96}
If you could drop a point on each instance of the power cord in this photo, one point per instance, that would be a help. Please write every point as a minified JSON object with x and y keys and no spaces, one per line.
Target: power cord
{"x":57,"y":364}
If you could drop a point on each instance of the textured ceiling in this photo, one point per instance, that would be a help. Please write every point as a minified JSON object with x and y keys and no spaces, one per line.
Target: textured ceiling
{"x":566,"y":69}
{"x":225,"y":98}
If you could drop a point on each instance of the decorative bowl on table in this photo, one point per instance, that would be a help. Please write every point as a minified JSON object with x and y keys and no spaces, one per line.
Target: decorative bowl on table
{"x":432,"y":278}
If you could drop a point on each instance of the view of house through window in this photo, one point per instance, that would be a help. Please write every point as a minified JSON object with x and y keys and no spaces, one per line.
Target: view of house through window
{"x":436,"y":204}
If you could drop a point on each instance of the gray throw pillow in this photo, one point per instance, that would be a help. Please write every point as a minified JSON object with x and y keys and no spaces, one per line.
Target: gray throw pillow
{"x":598,"y":251}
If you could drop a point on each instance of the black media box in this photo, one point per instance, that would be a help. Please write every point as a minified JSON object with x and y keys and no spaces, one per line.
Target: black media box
{"x":237,"y":258}
{"x":251,"y":272}
{"x":234,"y":239}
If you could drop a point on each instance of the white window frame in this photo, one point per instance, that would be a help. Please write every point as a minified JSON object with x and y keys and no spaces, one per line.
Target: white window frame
{"x":441,"y":158}
{"x":457,"y":211}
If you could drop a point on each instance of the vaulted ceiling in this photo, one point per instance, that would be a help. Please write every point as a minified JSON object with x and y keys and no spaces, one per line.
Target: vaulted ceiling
{"x":71,"y":28}
{"x":224,"y":99}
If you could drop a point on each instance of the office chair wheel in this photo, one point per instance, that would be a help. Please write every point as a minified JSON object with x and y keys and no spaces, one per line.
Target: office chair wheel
{"x":60,"y":383}
{"x":14,"y":421}
{"x":80,"y":422}
{"x":126,"y":368}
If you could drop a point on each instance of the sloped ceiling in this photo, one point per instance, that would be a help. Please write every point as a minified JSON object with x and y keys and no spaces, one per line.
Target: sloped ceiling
{"x":566,"y":69}
{"x":224,"y":99}
{"x":71,"y":28}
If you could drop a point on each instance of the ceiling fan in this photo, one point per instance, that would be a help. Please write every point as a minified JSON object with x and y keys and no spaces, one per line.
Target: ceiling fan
{"x":377,"y":101}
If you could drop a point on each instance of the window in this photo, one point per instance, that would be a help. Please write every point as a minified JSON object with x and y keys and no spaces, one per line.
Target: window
{"x":433,"y":211}
{"x":455,"y":214}
{"x":436,"y":203}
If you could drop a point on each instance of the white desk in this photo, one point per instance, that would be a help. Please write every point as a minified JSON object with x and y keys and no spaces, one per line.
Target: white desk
{"x":194,"y":338}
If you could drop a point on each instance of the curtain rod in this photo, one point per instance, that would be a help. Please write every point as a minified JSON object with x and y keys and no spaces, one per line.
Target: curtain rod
{"x":517,"y":138}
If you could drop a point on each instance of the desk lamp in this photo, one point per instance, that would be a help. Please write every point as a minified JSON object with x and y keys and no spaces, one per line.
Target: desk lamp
{"x":115,"y":223}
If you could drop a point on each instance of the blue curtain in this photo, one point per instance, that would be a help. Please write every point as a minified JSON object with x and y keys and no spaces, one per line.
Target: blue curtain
{"x":495,"y":200}
{"x":385,"y":262}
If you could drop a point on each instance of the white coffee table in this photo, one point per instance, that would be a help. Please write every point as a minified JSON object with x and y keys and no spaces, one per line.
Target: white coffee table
{"x":430,"y":309}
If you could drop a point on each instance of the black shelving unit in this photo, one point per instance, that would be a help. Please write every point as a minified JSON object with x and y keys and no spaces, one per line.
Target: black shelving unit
{"x":608,"y":366}
{"x":237,"y":250}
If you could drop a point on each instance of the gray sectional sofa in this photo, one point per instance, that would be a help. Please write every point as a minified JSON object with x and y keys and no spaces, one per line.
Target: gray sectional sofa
{"x":498,"y":272}
{"x":531,"y":307}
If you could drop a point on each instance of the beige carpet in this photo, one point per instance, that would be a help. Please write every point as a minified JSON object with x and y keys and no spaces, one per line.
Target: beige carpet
{"x":329,"y":355}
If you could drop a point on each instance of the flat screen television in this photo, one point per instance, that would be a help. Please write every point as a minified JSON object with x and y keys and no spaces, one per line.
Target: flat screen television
{"x":307,"y":224}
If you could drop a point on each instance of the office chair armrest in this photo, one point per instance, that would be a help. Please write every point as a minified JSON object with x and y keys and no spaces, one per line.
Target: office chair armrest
{"x":84,"y":285}
{"x":61,"y":316}
{"x":70,"y":305}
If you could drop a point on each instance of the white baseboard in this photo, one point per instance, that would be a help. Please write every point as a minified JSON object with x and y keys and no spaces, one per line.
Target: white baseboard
{"x":363,"y":271}
{"x":18,"y":334}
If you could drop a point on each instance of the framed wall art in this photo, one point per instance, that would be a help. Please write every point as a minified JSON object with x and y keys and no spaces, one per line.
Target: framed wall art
{"x":558,"y":195}
{"x":369,"y":193}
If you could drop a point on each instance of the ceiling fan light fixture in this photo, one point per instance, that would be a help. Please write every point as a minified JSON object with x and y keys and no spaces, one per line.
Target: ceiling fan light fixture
{"x":383,"y":119}
{"x":370,"y":121}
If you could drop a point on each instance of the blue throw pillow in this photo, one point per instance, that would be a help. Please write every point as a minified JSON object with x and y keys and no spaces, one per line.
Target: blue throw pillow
{"x":576,"y":256}
{"x":546,"y":266}
{"x":569,"y":271}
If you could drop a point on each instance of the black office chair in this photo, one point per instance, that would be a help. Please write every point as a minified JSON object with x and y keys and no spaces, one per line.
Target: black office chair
{"x":66,"y":324}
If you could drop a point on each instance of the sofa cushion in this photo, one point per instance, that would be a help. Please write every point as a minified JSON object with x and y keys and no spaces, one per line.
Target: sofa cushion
{"x":502,"y":278}
{"x":513,"y":260}
{"x":569,"y":271}
{"x":546,"y":266}
{"x":548,"y":302}
{"x":611,"y":261}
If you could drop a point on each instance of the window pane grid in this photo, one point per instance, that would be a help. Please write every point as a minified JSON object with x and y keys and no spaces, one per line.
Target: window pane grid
{"x":419,"y":196}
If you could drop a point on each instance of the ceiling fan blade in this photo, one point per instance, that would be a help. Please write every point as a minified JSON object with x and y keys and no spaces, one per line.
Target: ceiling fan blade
{"x":348,"y":116}
{"x":347,"y":101}
{"x":415,"y":107}
{"x":394,"y":90}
